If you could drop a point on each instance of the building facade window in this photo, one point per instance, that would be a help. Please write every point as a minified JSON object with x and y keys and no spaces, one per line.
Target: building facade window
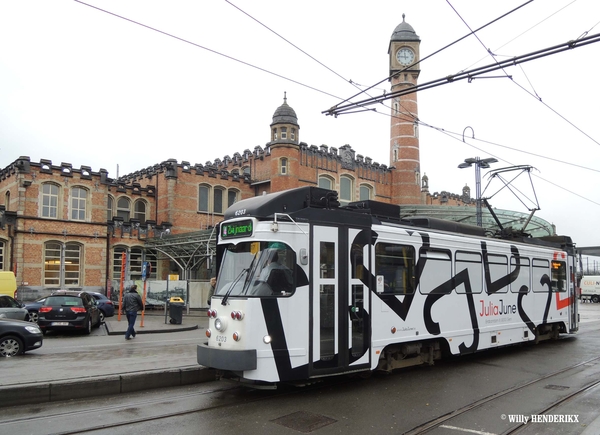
{"x":124,"y":208}
{"x":62,"y":264}
{"x":139,"y":210}
{"x":346,"y":190}
{"x":78,"y":203}
{"x":134,"y":258}
{"x":275,"y":134}
{"x":232,"y":197}
{"x":293,"y":134}
{"x":7,"y":200}
{"x":325,"y":183}
{"x":366,"y":192}
{"x":2,"y":245}
{"x":218,"y":200}
{"x":49,"y":200}
{"x":215,"y":199}
{"x":203,"y":196}
{"x":110,"y":208}
{"x":284,"y":132}
{"x":283,"y":166}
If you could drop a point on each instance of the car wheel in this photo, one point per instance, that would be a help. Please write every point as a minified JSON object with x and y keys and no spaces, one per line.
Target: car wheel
{"x":88,"y":329}
{"x":10,"y":346}
{"x":595,"y":299}
{"x":33,"y":316}
{"x":101,"y":318}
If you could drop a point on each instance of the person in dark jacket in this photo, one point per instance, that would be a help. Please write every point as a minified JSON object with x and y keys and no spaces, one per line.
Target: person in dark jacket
{"x":132,"y":303}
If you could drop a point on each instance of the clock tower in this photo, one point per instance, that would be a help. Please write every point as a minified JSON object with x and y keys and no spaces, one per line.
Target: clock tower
{"x":404,"y":132}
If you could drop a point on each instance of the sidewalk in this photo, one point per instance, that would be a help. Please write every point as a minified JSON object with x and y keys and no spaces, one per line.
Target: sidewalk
{"x":154,"y":322}
{"x":106,"y":364}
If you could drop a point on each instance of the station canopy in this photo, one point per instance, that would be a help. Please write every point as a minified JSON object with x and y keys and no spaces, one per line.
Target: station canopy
{"x":187,"y":250}
{"x":536,"y":227}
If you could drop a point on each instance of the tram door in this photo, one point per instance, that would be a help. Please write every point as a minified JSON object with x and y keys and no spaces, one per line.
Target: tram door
{"x":340,"y":324}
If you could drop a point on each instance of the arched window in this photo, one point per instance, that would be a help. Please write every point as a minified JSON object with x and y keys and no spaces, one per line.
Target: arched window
{"x":50,"y":200}
{"x":366,"y":192}
{"x":283,"y":162}
{"x":325,"y":182}
{"x":110,"y":208}
{"x":137,"y":256}
{"x":124,"y":208}
{"x":346,"y":189}
{"x":7,"y":200}
{"x":203,"y":197}
{"x":78,"y":203}
{"x":139,"y":210}
{"x":62,"y":264}
{"x":218,"y":200}
{"x":232,"y":197}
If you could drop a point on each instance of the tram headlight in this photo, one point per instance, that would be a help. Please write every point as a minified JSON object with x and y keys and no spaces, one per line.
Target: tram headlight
{"x":267,"y":339}
{"x":220,"y":324}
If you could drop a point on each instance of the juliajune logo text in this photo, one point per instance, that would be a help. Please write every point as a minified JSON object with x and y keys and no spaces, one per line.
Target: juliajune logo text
{"x":492,"y":309}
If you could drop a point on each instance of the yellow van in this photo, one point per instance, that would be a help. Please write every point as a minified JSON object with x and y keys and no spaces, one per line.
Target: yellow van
{"x":8,"y":284}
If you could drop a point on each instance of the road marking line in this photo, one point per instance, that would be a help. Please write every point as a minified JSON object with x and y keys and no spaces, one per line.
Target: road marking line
{"x":478,"y":432}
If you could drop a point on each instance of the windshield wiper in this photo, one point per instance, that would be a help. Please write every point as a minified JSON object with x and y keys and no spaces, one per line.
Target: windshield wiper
{"x":233,"y":283}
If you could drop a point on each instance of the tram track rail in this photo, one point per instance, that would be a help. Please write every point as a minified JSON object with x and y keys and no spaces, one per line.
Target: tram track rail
{"x":439,"y":422}
{"x":221,"y":397}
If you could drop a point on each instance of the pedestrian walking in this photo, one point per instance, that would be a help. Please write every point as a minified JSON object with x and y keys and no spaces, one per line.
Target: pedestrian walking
{"x":132,"y":303}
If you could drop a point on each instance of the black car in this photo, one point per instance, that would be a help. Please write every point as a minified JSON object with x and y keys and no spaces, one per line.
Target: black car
{"x":18,"y":336}
{"x":69,"y":310}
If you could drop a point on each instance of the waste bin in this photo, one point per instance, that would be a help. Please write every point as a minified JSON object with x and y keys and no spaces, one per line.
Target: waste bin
{"x":176,"y":312}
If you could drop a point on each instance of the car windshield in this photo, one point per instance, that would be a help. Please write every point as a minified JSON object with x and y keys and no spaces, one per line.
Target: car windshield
{"x":257,"y":269}
{"x":63,"y":301}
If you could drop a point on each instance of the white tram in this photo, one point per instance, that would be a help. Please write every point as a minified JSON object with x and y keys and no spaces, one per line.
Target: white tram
{"x":308,"y":289}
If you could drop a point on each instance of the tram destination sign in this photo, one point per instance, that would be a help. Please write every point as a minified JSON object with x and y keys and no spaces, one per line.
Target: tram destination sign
{"x":236,"y":229}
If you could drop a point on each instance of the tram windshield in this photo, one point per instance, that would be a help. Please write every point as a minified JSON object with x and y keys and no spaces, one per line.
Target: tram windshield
{"x":257,"y":269}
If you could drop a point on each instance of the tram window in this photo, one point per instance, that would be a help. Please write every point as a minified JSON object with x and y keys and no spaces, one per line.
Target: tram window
{"x":539,"y":274}
{"x":471,"y":262}
{"x":396,"y":264}
{"x":559,"y":276}
{"x":257,"y":269}
{"x":437,"y":269}
{"x":521,"y":284}
{"x":327,"y":260}
{"x":498,"y":269}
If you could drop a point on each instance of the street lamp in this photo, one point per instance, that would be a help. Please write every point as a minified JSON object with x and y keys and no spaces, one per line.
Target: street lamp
{"x":479,"y":163}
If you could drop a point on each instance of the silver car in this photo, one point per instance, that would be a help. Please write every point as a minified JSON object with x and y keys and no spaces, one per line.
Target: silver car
{"x":11,"y":309}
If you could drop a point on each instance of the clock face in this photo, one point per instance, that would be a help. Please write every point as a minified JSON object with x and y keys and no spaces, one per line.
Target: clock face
{"x":405,"y":56}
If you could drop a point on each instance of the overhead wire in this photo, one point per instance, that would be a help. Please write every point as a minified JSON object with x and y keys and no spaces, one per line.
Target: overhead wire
{"x":208,"y":49}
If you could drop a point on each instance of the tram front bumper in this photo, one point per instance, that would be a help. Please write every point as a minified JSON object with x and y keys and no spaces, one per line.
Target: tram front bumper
{"x":226,"y":359}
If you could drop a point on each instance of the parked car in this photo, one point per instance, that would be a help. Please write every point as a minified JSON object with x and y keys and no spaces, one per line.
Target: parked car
{"x":69,"y":310}
{"x":105,"y":305}
{"x":11,"y":309}
{"x":17,"y":337}
{"x":34,"y":308}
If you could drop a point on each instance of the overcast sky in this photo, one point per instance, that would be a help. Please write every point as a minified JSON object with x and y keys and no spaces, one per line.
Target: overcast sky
{"x":80,"y":85}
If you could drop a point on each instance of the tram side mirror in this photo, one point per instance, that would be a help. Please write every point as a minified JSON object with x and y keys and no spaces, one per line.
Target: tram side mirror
{"x":303,"y":257}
